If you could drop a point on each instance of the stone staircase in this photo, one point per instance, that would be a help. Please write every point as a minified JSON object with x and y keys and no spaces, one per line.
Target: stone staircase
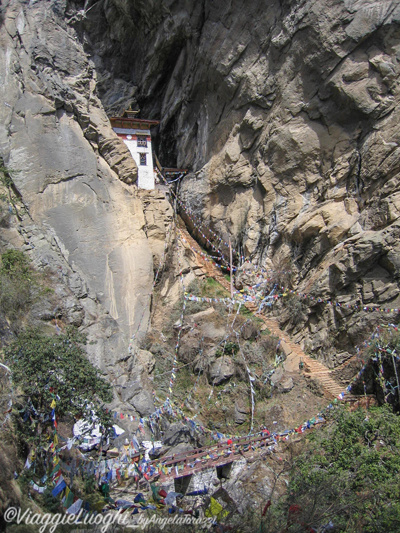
{"x":312,"y":368}
{"x":319,"y":372}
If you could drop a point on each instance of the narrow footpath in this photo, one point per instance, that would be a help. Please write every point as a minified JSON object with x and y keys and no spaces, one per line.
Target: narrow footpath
{"x":313,"y":369}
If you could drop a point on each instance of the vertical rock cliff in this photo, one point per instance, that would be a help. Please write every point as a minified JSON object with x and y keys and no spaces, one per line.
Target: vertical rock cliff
{"x":80,"y":216}
{"x":286,"y":113}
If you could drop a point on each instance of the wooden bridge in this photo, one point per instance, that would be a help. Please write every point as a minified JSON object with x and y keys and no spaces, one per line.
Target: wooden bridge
{"x":221,"y":454}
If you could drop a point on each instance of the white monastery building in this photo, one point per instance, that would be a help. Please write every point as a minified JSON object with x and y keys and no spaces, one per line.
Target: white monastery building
{"x":136,"y":134}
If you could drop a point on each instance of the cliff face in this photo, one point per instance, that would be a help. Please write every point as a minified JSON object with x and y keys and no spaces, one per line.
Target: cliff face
{"x":78,"y":218}
{"x":287,"y":113}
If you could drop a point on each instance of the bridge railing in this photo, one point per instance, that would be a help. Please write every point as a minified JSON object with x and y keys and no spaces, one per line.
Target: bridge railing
{"x":215,"y":452}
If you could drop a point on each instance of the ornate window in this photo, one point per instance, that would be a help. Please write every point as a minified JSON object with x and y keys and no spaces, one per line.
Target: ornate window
{"x":142,"y":140}
{"x":143,"y":159}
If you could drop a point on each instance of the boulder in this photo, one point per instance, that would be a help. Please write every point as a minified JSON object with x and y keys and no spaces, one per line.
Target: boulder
{"x":146,"y":359}
{"x":177,"y":433}
{"x":201,"y":316}
{"x":189,"y":347}
{"x":250,"y":331}
{"x":241,"y":412}
{"x":221,"y":370}
{"x":212,"y":332}
{"x":286,"y":385}
{"x":137,"y":392}
{"x":143,"y":403}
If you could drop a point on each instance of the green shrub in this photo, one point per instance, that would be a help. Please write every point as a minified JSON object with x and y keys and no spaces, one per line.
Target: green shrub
{"x":349,"y":473}
{"x":45,"y":368}
{"x":212,"y":289}
{"x":16,"y":284}
{"x":14,"y":263}
{"x":229,"y":348}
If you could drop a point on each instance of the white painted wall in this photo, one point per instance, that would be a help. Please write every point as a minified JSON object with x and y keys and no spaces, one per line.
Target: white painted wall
{"x":145,"y":173}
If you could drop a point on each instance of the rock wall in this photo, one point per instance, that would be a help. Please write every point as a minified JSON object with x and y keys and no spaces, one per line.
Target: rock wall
{"x":287,"y":114}
{"x":82,"y":218}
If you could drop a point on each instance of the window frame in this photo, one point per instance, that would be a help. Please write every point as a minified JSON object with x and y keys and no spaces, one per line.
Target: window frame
{"x":141,"y":141}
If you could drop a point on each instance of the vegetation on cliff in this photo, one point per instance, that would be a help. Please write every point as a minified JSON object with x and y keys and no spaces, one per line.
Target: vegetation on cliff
{"x":52,"y":371}
{"x":17,"y":285}
{"x":348,"y":474}
{"x":47,"y":376}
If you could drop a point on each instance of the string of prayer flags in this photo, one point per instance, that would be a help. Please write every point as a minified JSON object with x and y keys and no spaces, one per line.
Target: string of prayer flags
{"x":37,"y":488}
{"x":72,"y":504}
{"x":226,"y":301}
{"x":241,"y":296}
{"x":192,"y":391}
{"x":68,"y":498}
{"x":180,"y":327}
{"x":251,"y":379}
{"x":8,"y":411}
{"x":357,"y":307}
{"x":205,"y":256}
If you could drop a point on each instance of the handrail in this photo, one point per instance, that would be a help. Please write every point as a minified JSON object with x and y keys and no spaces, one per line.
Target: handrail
{"x":200,"y":452}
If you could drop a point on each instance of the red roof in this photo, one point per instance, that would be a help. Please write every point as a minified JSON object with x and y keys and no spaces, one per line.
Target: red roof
{"x":131,"y":122}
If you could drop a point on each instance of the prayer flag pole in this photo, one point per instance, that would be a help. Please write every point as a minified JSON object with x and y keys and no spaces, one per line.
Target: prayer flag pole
{"x":395,"y":371}
{"x":231,"y":260}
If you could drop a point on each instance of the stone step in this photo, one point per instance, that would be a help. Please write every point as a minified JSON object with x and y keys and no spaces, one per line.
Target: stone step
{"x":334,"y":386}
{"x":313,"y":368}
{"x":324,"y":379}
